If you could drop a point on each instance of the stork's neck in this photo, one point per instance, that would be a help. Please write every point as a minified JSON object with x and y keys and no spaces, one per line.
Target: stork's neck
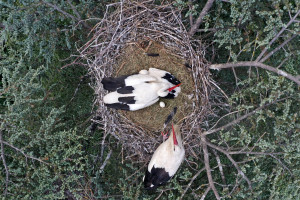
{"x":174,"y":136}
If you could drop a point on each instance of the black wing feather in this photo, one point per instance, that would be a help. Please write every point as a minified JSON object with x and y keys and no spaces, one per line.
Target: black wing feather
{"x":112,"y":84}
{"x":127,"y":100}
{"x":157,"y":177}
{"x":125,"y":90}
{"x":120,"y":106}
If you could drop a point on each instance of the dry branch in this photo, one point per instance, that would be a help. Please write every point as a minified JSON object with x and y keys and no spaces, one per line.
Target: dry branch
{"x":255,"y":64}
{"x":191,"y":181}
{"x":4,"y":163}
{"x":240,"y":171}
{"x":220,"y":166}
{"x":105,"y":161}
{"x":207,"y":166}
{"x":205,"y":193}
{"x":204,"y":11}
{"x":24,"y":154}
{"x":61,"y":11}
{"x":258,"y":59}
{"x":277,"y":48}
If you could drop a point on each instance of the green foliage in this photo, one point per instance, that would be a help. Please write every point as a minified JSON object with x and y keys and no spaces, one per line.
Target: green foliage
{"x":55,"y":156}
{"x":39,"y":117}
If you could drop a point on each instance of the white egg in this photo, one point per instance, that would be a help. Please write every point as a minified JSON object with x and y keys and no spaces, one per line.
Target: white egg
{"x":162,"y":104}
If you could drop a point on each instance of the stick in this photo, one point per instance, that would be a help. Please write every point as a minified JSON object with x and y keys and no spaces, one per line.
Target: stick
{"x":27,"y":156}
{"x":256,"y":64}
{"x":277,"y":48}
{"x":60,"y":10}
{"x":207,"y":167}
{"x":4,"y":163}
{"x":241,"y":118}
{"x":105,"y":161}
{"x":205,"y":193}
{"x":200,"y":18}
{"x":192,"y":180}
{"x":277,"y":36}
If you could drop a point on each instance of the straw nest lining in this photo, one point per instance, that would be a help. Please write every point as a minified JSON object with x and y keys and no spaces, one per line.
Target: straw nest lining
{"x":133,"y":59}
{"x":116,"y":48}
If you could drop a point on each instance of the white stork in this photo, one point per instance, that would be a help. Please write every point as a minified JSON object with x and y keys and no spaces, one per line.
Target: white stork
{"x":165,"y":160}
{"x":141,"y":90}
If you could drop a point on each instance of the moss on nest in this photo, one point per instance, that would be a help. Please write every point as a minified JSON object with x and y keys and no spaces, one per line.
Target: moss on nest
{"x":133,"y":59}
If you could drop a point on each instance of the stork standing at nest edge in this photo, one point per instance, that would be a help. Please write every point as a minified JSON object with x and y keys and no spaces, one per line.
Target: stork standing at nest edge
{"x":165,"y":161}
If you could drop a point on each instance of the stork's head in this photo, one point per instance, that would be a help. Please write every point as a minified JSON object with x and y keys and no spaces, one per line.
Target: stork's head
{"x":176,"y":136}
{"x":164,"y":76}
{"x":167,"y":78}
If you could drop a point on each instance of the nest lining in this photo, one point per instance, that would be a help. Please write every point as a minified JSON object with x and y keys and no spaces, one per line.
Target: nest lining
{"x":118,"y":41}
{"x":134,"y":59}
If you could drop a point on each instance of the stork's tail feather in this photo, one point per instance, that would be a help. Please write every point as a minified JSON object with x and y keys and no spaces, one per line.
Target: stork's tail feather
{"x":112,"y":84}
{"x":170,"y":117}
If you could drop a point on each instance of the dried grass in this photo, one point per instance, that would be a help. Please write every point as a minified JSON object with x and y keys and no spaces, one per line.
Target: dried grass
{"x":117,"y":46}
{"x":133,"y":59}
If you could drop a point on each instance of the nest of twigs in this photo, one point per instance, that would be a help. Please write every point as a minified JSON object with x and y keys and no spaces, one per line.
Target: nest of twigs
{"x":128,"y":30}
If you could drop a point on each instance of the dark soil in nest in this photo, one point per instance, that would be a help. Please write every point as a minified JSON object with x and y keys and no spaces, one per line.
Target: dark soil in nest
{"x":133,"y":59}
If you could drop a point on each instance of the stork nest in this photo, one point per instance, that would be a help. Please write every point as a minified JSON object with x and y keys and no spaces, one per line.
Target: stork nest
{"x":128,"y":30}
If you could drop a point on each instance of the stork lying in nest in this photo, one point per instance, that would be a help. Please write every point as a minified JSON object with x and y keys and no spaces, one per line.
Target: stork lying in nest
{"x":137,"y":91}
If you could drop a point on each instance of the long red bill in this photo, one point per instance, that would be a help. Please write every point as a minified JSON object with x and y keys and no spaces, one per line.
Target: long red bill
{"x":174,"y":136}
{"x":172,"y":88}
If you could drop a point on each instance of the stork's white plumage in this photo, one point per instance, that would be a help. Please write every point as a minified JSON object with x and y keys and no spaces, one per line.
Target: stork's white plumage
{"x":141,"y":90}
{"x":165,"y":160}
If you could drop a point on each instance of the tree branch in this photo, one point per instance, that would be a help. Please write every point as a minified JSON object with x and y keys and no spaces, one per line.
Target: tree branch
{"x":207,"y":167}
{"x":105,"y":161}
{"x":234,"y":121}
{"x":190,"y":15}
{"x":61,"y":11}
{"x":277,"y":48}
{"x":277,"y":36}
{"x":240,"y":171}
{"x":192,"y":180}
{"x":27,"y":156}
{"x":200,"y":18}
{"x":74,"y":10}
{"x":256,"y":64}
{"x":220,"y":166}
{"x":4,"y":163}
{"x":205,"y":193}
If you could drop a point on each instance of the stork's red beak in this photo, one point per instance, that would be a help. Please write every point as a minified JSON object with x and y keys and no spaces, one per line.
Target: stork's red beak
{"x":172,"y":88}
{"x":174,"y":136}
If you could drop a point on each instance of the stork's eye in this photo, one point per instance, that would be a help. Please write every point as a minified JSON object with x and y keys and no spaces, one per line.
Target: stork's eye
{"x":173,"y":91}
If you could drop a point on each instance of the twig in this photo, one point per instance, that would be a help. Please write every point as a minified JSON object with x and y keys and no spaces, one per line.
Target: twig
{"x":220,"y":166}
{"x":238,"y":152}
{"x":207,"y":167}
{"x":240,"y":171}
{"x":61,"y":11}
{"x":159,"y":195}
{"x":105,"y":161}
{"x":74,"y":10}
{"x":283,"y":165}
{"x":205,"y":193}
{"x":277,"y":36}
{"x":232,"y":161}
{"x":234,"y":121}
{"x":192,"y":180}
{"x":206,"y":8}
{"x":256,"y":64}
{"x":4,"y":163}
{"x":190,"y":15}
{"x":24,"y":154}
{"x":277,"y":48}
{"x":283,"y":63}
